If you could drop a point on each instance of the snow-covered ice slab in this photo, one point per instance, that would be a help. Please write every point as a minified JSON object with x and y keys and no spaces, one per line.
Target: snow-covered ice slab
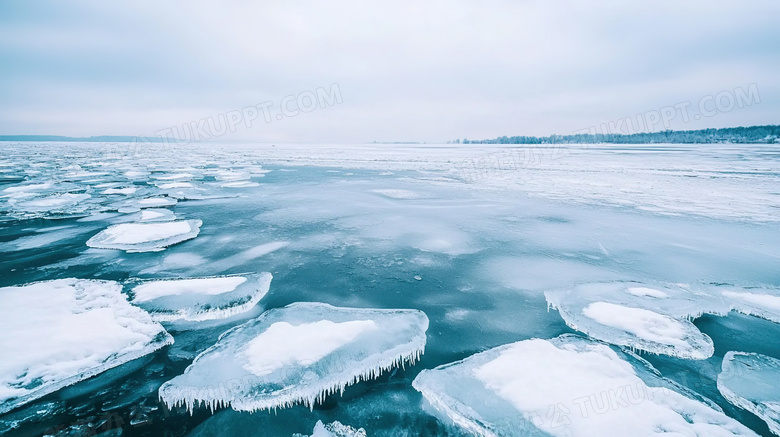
{"x":156,"y":215}
{"x":145,"y":237}
{"x":200,"y":299}
{"x":651,"y":318}
{"x":568,"y":386}
{"x":56,"y":333}
{"x":56,"y":202}
{"x":643,"y":330}
{"x":156,"y":202}
{"x":763,"y":303}
{"x":298,"y":354}
{"x":749,"y":381}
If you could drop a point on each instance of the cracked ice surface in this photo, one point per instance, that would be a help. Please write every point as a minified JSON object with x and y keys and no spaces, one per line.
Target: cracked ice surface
{"x":568,"y":386}
{"x":298,"y":354}
{"x":651,"y":318}
{"x":145,"y":237}
{"x":749,"y":381}
{"x":72,"y":329}
{"x":200,"y":299}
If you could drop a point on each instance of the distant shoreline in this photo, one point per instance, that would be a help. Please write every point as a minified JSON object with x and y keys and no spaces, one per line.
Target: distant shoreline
{"x":96,"y":139}
{"x":769,"y":134}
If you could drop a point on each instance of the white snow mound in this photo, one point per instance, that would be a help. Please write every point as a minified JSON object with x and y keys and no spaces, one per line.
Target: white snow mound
{"x":56,"y":333}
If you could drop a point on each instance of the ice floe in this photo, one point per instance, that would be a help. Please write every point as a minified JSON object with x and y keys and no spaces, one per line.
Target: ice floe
{"x":298,"y":354}
{"x":764,"y":303}
{"x":156,"y":202}
{"x":567,"y":386}
{"x":156,"y":215}
{"x":201,"y":298}
{"x":175,"y":185}
{"x":52,"y":203}
{"x":145,"y":237}
{"x":56,"y":333}
{"x":644,"y":330}
{"x":749,"y":381}
{"x":648,"y":318}
{"x":28,"y":188}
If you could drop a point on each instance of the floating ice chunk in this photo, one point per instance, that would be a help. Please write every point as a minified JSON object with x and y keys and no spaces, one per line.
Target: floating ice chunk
{"x":145,"y":237}
{"x":156,"y":202}
{"x":174,"y":185}
{"x":568,"y":386}
{"x":749,"y":381}
{"x":28,"y":188}
{"x":174,"y":177}
{"x":643,"y":329}
{"x":298,"y":354}
{"x":649,"y":318}
{"x":764,"y":303}
{"x":56,"y":333}
{"x":125,"y":190}
{"x":52,"y":203}
{"x":670,"y":300}
{"x":201,"y":298}
{"x":225,"y":175}
{"x":336,"y":429}
{"x":156,"y":215}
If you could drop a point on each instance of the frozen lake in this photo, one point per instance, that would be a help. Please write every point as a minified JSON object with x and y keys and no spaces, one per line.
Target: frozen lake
{"x":471,"y":235}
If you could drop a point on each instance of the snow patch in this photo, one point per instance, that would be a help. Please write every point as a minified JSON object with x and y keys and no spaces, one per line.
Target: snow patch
{"x":56,"y":333}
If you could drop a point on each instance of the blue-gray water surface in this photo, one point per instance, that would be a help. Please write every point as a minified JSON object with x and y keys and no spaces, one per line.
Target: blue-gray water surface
{"x":475,"y":261}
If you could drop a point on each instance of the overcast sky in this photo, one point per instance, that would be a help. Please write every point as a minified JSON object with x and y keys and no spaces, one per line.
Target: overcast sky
{"x":406,"y":70}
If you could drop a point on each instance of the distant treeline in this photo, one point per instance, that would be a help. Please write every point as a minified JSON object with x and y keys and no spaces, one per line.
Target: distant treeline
{"x":752,"y":134}
{"x":97,"y":139}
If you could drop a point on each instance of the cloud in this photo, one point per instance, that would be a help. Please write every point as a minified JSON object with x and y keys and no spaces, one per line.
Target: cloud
{"x":426,"y":71}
